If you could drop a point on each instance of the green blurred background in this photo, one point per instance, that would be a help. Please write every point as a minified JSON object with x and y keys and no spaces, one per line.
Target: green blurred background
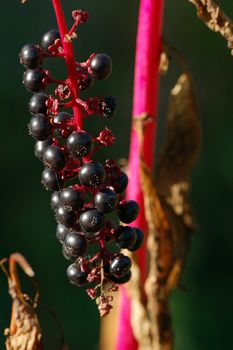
{"x":203,"y":315}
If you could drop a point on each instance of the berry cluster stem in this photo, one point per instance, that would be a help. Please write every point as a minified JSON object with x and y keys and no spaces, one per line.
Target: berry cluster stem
{"x":145,"y":102}
{"x":70,"y":61}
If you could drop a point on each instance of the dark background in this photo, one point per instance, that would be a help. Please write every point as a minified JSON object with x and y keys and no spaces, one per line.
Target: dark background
{"x":203,"y":315}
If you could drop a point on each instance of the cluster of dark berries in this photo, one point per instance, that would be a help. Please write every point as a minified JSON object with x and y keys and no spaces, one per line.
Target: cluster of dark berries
{"x":66,"y":151}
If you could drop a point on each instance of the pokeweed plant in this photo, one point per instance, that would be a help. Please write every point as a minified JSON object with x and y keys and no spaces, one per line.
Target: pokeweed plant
{"x":67,"y":150}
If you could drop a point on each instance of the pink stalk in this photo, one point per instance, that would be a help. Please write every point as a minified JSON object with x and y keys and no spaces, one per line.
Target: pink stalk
{"x":145,"y":101}
{"x":70,"y":60}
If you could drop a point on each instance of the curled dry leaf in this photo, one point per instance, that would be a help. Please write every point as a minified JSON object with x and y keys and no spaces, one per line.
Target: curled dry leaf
{"x":24,"y":332}
{"x":212,"y":15}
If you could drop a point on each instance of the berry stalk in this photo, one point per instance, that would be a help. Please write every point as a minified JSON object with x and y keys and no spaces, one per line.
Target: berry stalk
{"x":145,"y":103}
{"x":70,"y":61}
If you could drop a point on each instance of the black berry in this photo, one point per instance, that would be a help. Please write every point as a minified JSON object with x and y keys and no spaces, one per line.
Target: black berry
{"x":125,"y":236}
{"x":91,"y":220}
{"x":37,"y":103}
{"x":33,"y":79}
{"x":66,"y":216}
{"x":55,"y":199}
{"x":39,"y":127}
{"x":80,"y":144}
{"x":121,"y":280}
{"x":76,"y":243}
{"x":139,"y":240}
{"x":76,"y":276}
{"x":92,"y":174}
{"x":61,"y":232}
{"x":109,"y":107}
{"x":72,"y":197}
{"x":31,"y":56}
{"x":128,"y":211}
{"x":66,"y":253}
{"x":120,"y":265}
{"x":62,"y":118}
{"x":106,"y":200}
{"x":51,"y":179}
{"x":54,"y":157}
{"x":49,"y":39}
{"x":40,"y":146}
{"x":101,"y":66}
{"x":120,"y":183}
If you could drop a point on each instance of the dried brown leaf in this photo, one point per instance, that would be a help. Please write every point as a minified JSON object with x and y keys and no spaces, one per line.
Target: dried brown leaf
{"x":25,"y":331}
{"x":212,"y":15}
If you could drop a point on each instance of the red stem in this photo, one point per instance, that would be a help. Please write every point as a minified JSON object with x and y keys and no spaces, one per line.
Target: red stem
{"x":70,"y":61}
{"x":145,"y":101}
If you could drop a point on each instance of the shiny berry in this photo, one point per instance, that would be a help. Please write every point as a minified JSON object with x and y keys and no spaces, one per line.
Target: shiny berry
{"x":120,"y":183}
{"x":120,"y":265}
{"x":51,"y":179}
{"x":76,"y":276}
{"x":49,"y":39}
{"x":61,"y":232}
{"x":66,"y":216}
{"x":128,"y":211}
{"x":125,"y":236}
{"x":55,"y":199}
{"x":37,"y":103}
{"x":72,"y":197}
{"x":33,"y":79}
{"x":66,"y":253}
{"x":39,"y":127}
{"x":91,"y":220}
{"x":62,"y":118}
{"x":109,"y":107}
{"x":92,"y":174}
{"x":106,"y":200}
{"x":80,"y":144}
{"x":100,"y":66}
{"x":40,"y":146}
{"x":31,"y":56}
{"x":76,"y":243}
{"x":139,"y":241}
{"x":121,"y":280}
{"x":54,"y":157}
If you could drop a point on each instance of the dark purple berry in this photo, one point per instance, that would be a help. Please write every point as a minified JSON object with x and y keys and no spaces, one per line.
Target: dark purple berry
{"x":33,"y":79}
{"x":54,"y":157}
{"x":62,"y":118}
{"x":101,"y":66}
{"x":139,"y":241}
{"x":121,"y":280}
{"x":120,"y":183}
{"x":51,"y":179}
{"x":79,"y":144}
{"x":106,"y":200}
{"x":72,"y":198}
{"x":61,"y":232}
{"x":120,"y":265}
{"x":39,"y":127}
{"x":37,"y":103}
{"x":66,"y":253}
{"x":76,"y":243}
{"x":128,"y":211}
{"x":55,"y":199}
{"x":40,"y":146}
{"x":76,"y":276}
{"x":49,"y":39}
{"x":91,"y":220}
{"x":125,"y":236}
{"x":84,"y":80}
{"x":109,"y":107}
{"x":66,"y":216}
{"x":31,"y":56}
{"x":92,"y":174}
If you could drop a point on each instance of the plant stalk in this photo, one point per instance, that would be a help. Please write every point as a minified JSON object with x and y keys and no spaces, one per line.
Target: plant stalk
{"x":70,"y":61}
{"x":145,"y":103}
